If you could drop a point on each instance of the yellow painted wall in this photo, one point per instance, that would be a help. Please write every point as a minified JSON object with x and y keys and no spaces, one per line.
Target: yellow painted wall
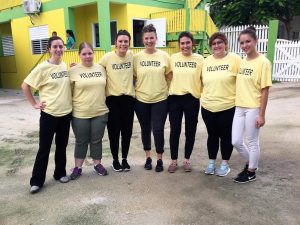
{"x":25,"y":60}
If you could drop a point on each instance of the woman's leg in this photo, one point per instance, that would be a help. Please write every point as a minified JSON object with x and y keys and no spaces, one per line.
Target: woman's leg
{"x":191,"y":112}
{"x":175,"y":118}
{"x":238,"y":130}
{"x":61,"y":141}
{"x":252,"y":137}
{"x":113,"y":124}
{"x":46,"y":133}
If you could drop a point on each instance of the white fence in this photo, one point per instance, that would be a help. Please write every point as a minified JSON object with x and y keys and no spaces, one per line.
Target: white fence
{"x":286,"y":66}
{"x":233,"y":33}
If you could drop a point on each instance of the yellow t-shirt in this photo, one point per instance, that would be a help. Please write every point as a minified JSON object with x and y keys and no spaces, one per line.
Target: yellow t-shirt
{"x":88,"y":89}
{"x":149,"y":70}
{"x":186,"y":74}
{"x":219,"y":82}
{"x":119,"y":74}
{"x":253,"y":76}
{"x":53,"y":84}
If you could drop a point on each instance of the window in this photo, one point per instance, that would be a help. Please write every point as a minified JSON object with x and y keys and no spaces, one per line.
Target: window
{"x":8,"y":45}
{"x":296,"y":35}
{"x":39,"y":37}
{"x":113,"y":33}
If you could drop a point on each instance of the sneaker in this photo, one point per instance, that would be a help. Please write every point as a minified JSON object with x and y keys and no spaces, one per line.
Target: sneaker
{"x":125,"y":165}
{"x":223,"y":170}
{"x":100,"y":170}
{"x":34,"y":189}
{"x":64,"y":179}
{"x":245,"y":177}
{"x":148,"y":164}
{"x":172,"y":167}
{"x":75,"y":173}
{"x":159,"y":166}
{"x":187,"y":166}
{"x":245,"y":170}
{"x":116,"y":166}
{"x":210,"y":169}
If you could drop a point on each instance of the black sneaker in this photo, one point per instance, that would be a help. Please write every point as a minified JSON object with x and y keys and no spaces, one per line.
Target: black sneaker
{"x":245,"y":177}
{"x":116,"y":166}
{"x":245,"y":170}
{"x":125,"y":165}
{"x":159,"y":166}
{"x":148,"y":164}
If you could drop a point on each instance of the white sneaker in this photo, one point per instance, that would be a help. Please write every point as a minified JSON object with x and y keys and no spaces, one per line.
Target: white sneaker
{"x":64,"y":179}
{"x":34,"y":189}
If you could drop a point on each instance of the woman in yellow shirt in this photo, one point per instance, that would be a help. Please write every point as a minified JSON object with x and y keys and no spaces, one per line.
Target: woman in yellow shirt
{"x":150,"y":67}
{"x":52,"y":80}
{"x":218,"y":101}
{"x":90,"y":113}
{"x":184,"y":98}
{"x":120,"y":98}
{"x":252,"y":90}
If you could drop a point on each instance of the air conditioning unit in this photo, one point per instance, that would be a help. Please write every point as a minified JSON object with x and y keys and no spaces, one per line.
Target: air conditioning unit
{"x":31,"y":6}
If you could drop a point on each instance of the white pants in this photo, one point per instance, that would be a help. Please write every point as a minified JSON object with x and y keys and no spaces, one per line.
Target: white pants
{"x":245,"y":135}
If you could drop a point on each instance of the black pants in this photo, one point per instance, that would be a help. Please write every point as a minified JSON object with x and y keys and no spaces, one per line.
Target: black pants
{"x":120,"y":121}
{"x":152,"y":116}
{"x":219,"y":128}
{"x":50,"y":125}
{"x":189,"y":106}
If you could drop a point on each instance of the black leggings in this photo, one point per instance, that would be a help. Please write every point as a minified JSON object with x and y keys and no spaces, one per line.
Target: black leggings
{"x":189,"y":106}
{"x":50,"y":125}
{"x":152,"y":116}
{"x":120,"y":121}
{"x":219,"y":128}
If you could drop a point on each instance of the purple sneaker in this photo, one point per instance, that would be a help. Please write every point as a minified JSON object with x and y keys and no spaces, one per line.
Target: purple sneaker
{"x":75,"y":173}
{"x":100,"y":170}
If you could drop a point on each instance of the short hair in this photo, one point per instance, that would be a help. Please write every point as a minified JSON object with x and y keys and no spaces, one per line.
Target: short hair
{"x":185,"y":34}
{"x":51,"y":39}
{"x":149,"y":28}
{"x":85,"y":45}
{"x":251,"y":31}
{"x":218,"y":35}
{"x":123,"y":32}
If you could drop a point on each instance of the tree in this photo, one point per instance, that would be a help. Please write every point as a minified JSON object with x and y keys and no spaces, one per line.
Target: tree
{"x":238,"y":12}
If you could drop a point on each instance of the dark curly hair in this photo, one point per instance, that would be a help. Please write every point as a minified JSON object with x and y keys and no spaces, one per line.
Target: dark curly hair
{"x":149,"y":28}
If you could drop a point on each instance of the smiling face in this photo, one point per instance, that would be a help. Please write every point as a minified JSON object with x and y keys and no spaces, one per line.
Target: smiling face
{"x":248,"y":44}
{"x":218,"y":47}
{"x":56,"y":49}
{"x":122,"y":44}
{"x":87,"y":56}
{"x":186,"y":46}
{"x":149,"y":40}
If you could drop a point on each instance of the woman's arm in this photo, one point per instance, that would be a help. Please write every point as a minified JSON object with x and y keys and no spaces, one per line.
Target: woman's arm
{"x":260,"y":121}
{"x":30,"y":98}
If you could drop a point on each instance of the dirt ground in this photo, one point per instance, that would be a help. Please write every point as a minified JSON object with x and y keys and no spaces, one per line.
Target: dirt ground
{"x":146,"y":197}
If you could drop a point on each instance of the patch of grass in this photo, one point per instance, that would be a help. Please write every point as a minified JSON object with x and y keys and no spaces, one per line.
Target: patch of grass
{"x":34,"y":134}
{"x":93,"y":214}
{"x":7,"y":156}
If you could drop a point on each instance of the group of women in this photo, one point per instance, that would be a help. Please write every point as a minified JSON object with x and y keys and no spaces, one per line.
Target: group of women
{"x":92,"y":95}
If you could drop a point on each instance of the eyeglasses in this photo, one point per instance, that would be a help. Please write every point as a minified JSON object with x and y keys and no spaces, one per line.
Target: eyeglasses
{"x":217,"y":43}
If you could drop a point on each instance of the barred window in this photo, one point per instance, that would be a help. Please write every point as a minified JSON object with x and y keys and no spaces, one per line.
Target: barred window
{"x":39,"y":37}
{"x":8,"y":45}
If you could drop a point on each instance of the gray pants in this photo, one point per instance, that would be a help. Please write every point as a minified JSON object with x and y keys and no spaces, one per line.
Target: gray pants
{"x":89,"y":131}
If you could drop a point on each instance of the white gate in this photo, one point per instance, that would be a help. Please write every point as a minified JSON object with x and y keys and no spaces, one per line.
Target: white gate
{"x":286,"y":66}
{"x":233,"y":33}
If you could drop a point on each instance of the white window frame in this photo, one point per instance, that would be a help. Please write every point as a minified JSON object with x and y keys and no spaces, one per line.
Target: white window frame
{"x":39,"y":37}
{"x":94,"y":33}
